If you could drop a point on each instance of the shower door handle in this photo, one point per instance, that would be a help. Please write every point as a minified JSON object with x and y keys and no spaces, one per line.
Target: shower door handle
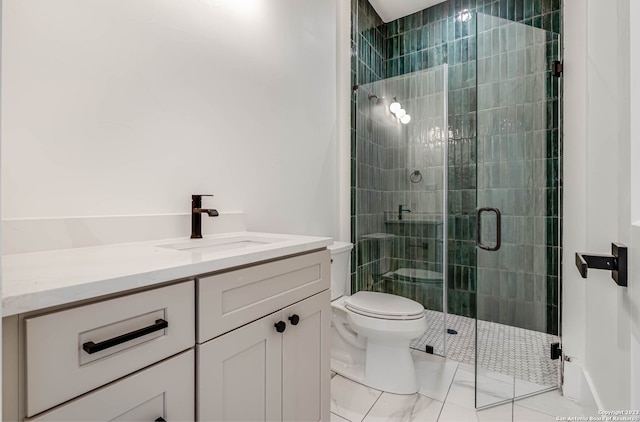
{"x":479,"y":241}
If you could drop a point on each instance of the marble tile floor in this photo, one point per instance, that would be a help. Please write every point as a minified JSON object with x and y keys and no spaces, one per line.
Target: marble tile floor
{"x":446,"y":395}
{"x":521,"y":353}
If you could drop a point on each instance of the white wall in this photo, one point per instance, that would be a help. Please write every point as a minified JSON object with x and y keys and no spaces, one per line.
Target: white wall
{"x":344,"y":118}
{"x":634,"y":157}
{"x":574,"y":172}
{"x":1,"y":3}
{"x":597,"y":314}
{"x":127,"y":107}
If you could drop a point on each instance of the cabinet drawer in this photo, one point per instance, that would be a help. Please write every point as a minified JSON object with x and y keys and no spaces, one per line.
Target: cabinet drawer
{"x":235,"y":298}
{"x":165,"y":390}
{"x":77,"y":350}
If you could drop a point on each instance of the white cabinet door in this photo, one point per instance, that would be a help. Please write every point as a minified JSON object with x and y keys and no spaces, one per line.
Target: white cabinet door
{"x":305,"y":360}
{"x":240,"y":374}
{"x":255,"y":373}
{"x":164,"y":390}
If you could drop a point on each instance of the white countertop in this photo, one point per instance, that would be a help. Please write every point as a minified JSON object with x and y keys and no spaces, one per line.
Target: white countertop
{"x":39,"y":280}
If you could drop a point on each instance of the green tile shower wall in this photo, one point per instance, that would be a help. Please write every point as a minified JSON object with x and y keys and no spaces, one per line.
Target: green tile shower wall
{"x":441,"y":34}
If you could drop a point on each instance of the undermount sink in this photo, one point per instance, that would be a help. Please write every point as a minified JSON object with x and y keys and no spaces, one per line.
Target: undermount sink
{"x":222,"y":244}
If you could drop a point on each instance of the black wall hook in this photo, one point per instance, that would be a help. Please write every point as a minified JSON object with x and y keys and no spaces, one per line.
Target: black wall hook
{"x":616,"y":262}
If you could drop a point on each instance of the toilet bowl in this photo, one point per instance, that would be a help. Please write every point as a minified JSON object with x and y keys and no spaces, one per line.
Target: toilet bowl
{"x":371,"y":332}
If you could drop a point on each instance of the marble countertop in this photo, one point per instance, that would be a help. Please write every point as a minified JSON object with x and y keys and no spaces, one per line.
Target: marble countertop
{"x":34,"y":281}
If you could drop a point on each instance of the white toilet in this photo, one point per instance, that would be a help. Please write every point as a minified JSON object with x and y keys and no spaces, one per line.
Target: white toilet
{"x":371,"y":332}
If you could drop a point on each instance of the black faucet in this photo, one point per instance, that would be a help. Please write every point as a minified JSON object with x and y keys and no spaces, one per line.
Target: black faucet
{"x":196,"y":215}
{"x":401,"y":209}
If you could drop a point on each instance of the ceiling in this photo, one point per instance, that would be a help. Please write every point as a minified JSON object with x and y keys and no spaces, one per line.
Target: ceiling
{"x":393,"y":9}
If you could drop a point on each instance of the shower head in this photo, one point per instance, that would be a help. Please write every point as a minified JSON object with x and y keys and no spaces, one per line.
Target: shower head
{"x":379,"y":100}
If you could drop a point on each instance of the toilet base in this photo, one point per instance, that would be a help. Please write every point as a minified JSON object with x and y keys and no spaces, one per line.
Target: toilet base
{"x":395,"y":374}
{"x":390,"y":368}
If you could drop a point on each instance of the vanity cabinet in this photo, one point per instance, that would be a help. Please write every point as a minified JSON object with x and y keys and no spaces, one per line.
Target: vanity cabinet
{"x":244,"y":343}
{"x":270,"y":369}
{"x":264,"y":342}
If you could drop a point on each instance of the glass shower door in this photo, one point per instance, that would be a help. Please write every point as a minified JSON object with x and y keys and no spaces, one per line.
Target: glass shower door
{"x":518,"y":215}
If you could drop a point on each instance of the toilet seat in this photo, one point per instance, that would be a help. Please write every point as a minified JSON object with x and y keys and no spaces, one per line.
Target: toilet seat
{"x":384,"y":306}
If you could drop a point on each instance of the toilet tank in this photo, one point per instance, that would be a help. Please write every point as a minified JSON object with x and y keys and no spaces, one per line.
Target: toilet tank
{"x":340,"y":268}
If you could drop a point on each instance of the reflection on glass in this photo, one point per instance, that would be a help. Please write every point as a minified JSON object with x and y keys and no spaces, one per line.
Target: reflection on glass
{"x":400,"y":193}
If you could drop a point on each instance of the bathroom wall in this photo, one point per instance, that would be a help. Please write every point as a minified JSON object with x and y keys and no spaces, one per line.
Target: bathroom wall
{"x":600,"y":319}
{"x":1,"y":3}
{"x":119,"y":108}
{"x":367,"y":209}
{"x":634,"y":157}
{"x":610,"y":146}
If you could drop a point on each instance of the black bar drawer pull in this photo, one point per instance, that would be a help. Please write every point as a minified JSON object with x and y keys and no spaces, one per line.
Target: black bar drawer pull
{"x":479,"y":241}
{"x":91,"y":347}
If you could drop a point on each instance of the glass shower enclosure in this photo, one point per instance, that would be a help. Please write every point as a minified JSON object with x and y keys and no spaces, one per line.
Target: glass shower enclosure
{"x":457,"y":207}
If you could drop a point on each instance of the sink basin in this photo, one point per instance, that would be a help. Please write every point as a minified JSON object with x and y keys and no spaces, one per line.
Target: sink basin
{"x":221,"y":244}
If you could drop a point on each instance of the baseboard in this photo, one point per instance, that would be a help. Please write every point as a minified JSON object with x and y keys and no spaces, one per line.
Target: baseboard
{"x":579,"y":387}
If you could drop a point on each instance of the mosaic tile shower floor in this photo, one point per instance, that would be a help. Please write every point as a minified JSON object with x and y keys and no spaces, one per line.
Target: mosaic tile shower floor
{"x":517,"y":352}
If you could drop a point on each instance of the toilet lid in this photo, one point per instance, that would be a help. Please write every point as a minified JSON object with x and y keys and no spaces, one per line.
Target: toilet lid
{"x":384,"y":305}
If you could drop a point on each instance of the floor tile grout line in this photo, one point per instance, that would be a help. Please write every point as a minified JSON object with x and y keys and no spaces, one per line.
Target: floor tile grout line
{"x":374,"y":403}
{"x":364,"y":385}
{"x":446,"y":397}
{"x":341,"y":417}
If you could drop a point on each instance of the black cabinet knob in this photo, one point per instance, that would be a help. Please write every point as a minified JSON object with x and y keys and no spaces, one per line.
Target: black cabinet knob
{"x":295,"y":319}
{"x":280,"y":326}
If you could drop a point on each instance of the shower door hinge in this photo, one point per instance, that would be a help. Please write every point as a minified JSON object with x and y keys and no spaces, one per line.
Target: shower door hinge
{"x":556,"y":68}
{"x":556,"y":351}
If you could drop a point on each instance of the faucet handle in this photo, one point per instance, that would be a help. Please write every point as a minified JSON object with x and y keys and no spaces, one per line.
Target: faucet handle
{"x":196,"y":201}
